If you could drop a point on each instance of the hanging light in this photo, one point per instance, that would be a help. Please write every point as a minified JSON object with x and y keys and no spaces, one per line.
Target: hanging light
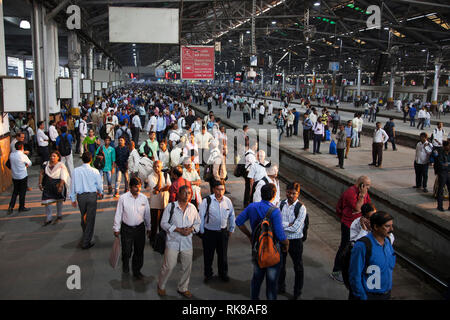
{"x":24,"y":24}
{"x":317,"y":3}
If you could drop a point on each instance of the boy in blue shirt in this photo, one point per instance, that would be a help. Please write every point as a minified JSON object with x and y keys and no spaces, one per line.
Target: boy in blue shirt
{"x":372,"y":279}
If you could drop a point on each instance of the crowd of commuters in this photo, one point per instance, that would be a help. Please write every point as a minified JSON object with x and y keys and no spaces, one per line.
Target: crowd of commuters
{"x":108,"y":136}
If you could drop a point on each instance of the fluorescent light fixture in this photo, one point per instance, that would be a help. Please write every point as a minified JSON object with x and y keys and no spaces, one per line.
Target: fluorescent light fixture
{"x":248,"y":31}
{"x":274,"y":22}
{"x":316,"y":4}
{"x":230,"y":40}
{"x":24,"y":24}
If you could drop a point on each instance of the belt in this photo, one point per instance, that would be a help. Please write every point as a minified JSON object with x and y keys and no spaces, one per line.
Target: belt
{"x":132,"y":227}
{"x":85,"y":193}
{"x":221,"y":230}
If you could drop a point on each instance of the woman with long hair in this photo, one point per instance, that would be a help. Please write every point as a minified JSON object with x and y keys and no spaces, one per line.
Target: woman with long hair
{"x":54,"y":182}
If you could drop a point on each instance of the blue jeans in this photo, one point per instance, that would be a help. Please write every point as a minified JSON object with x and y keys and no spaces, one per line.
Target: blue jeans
{"x":107,"y":174}
{"x":272,"y":274}
{"x":281,"y":130}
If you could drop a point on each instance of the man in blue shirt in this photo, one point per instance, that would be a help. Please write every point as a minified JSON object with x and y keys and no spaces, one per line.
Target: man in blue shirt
{"x":372,"y":279}
{"x":296,"y":119}
{"x":256,"y":212}
{"x":86,"y":185}
{"x":215,"y":217}
{"x":65,"y":148}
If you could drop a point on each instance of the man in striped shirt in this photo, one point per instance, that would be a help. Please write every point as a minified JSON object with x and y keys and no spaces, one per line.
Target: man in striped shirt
{"x":293,"y":214}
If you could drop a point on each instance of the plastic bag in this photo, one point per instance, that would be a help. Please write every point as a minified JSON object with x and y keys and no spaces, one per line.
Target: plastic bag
{"x":333,"y":149}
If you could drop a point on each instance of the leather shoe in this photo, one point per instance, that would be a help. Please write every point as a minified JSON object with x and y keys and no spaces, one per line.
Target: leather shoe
{"x":46,"y":223}
{"x":10,"y":211}
{"x":161,"y":292}
{"x":225,"y":278}
{"x":186,"y":294}
{"x":24,"y":209}
{"x":440,"y":209}
{"x":207,"y":279}
{"x":138,"y":275}
{"x":90,"y":245}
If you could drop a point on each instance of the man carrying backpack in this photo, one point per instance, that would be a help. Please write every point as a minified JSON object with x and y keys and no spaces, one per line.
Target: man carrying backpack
{"x":123,"y":131}
{"x":266,"y":236}
{"x":216,"y":213}
{"x":295,"y":225}
{"x":64,"y":145}
{"x":372,"y":261}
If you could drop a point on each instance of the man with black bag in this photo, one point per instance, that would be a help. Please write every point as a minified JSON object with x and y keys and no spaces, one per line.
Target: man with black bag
{"x":64,"y":145}
{"x":131,"y":220}
{"x":295,"y":224}
{"x":216,"y":212}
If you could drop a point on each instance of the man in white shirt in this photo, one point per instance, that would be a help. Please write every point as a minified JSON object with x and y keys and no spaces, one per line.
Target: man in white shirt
{"x":53,"y":134}
{"x":250,"y":159}
{"x":19,"y":164}
{"x":136,"y":128}
{"x":319,"y":132}
{"x":380,"y":137}
{"x":131,"y":220}
{"x":271,"y":177}
{"x":202,"y":139}
{"x":421,"y":117}
{"x":159,"y":184}
{"x":262,"y":110}
{"x":163,"y":155}
{"x":257,"y":171}
{"x":42,"y":140}
{"x":175,"y":135}
{"x":421,"y":161}
{"x":438,"y":135}
{"x":180,"y":220}
{"x":357,"y":123}
{"x":83,"y":131}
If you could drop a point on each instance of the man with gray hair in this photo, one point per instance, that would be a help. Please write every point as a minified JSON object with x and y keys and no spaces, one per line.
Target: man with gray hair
{"x":271,"y":177}
{"x":257,"y":171}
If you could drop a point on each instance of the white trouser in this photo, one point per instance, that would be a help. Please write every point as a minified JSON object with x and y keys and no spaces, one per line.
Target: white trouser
{"x":82,"y":145}
{"x":170,"y":261}
{"x":48,"y":210}
{"x":68,"y":161}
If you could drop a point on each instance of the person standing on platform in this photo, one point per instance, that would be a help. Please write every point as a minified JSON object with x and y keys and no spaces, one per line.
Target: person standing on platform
{"x":381,"y":261}
{"x":54,"y":181}
{"x":122,"y":154}
{"x":83,"y":128}
{"x":357,"y":124}
{"x":341,"y":143}
{"x":136,"y":127}
{"x":253,"y":106}
{"x":296,"y":120}
{"x":293,"y":215}
{"x":229,"y":108}
{"x":180,"y":220}
{"x":319,"y":133}
{"x":216,"y":212}
{"x":442,"y":169}
{"x":53,"y":134}
{"x":42,"y":140}
{"x":86,"y":186}
{"x":421,"y":161}
{"x":130,"y":222}
{"x":262,"y":110}
{"x":256,"y":212}
{"x":109,"y":154}
{"x":307,"y":127}
{"x":389,"y":127}
{"x":412,"y":115}
{"x":348,"y":209}
{"x":348,"y":137}
{"x":250,"y":159}
{"x":336,"y":118}
{"x":19,"y":164}
{"x":380,"y":137}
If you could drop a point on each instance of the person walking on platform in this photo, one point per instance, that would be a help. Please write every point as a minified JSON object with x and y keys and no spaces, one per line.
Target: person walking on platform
{"x":319,"y":133}
{"x":373,"y":251}
{"x":19,"y":164}
{"x":250,"y":159}
{"x":307,"y":127}
{"x":293,"y":215}
{"x":412,"y":115}
{"x":262,"y":110}
{"x":54,"y":181}
{"x":380,"y":137}
{"x":42,"y":140}
{"x":348,"y":137}
{"x":341,"y":143}
{"x":86,"y":186}
{"x":229,"y":109}
{"x":121,"y":164}
{"x":296,"y":120}
{"x":348,"y":209}
{"x":217,"y":224}
{"x":442,"y":169}
{"x":336,"y":117}
{"x":256,"y":212}
{"x":131,"y":220}
{"x":421,"y":161}
{"x":180,"y":220}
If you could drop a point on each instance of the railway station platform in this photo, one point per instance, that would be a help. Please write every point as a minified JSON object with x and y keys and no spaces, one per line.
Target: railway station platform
{"x":425,"y":231}
{"x":40,"y":256}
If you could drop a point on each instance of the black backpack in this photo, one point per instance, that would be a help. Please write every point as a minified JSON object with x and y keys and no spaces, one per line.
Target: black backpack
{"x":254,"y":187}
{"x":64,"y":146}
{"x":297,"y":208}
{"x":99,"y":161}
{"x":160,"y":241}
{"x":346,"y":255}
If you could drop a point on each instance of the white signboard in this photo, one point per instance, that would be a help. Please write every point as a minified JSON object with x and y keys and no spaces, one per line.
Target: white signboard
{"x":14,"y":95}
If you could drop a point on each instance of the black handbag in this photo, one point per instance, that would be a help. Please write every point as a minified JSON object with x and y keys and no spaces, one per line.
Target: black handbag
{"x":160,"y":241}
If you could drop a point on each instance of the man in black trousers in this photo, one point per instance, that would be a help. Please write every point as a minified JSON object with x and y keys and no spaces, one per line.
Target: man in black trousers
{"x":19,"y":164}
{"x":216,"y":212}
{"x":130,"y":222}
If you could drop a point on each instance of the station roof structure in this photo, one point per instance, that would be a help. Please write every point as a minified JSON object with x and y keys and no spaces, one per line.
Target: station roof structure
{"x":412,"y":34}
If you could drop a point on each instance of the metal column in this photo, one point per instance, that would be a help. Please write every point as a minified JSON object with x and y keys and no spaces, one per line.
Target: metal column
{"x":390,"y":100}
{"x":434,"y":96}
{"x":358,"y":90}
{"x":90,"y":71}
{"x":284,"y":81}
{"x":4,"y":123}
{"x":74,"y":54}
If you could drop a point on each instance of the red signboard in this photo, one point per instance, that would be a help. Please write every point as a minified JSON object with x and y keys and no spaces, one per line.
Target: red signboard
{"x":197,"y":62}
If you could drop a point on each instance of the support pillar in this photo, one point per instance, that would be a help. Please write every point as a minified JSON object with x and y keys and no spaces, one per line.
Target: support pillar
{"x":434,"y":95}
{"x":46,"y":64}
{"x":284,"y":82}
{"x":358,"y":90}
{"x":262,"y":81}
{"x":313,"y":92}
{"x":297,"y":84}
{"x":90,"y":71}
{"x":390,"y":100}
{"x":74,"y":55}
{"x":333,"y":84}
